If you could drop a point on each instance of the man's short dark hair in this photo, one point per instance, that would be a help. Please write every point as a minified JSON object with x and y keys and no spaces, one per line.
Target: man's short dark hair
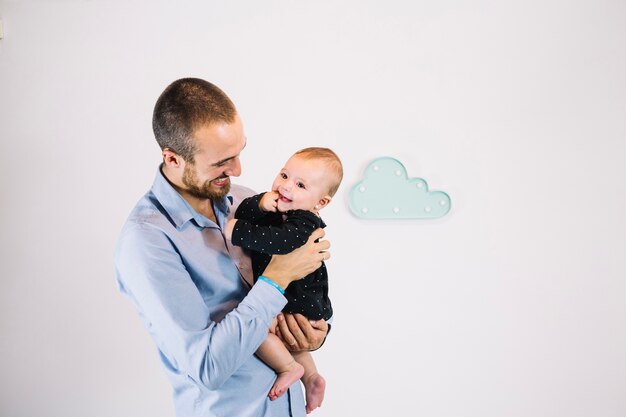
{"x":184,"y":106}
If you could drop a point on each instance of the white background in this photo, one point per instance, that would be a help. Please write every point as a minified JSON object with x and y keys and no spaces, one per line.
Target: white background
{"x":514,"y":304}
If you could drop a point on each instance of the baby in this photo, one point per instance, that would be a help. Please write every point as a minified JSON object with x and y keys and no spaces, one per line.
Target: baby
{"x":278,"y":222}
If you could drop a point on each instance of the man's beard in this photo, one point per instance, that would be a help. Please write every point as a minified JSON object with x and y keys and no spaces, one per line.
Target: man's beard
{"x":204,"y":190}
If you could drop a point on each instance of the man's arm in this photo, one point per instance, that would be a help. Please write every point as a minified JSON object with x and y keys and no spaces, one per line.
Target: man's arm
{"x":151,"y":272}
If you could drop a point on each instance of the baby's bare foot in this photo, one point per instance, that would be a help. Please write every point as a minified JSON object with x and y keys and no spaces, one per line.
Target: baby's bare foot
{"x":285,"y":379}
{"x":315,"y":386}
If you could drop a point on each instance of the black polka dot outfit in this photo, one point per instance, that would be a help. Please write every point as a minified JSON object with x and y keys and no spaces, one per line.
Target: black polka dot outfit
{"x":268,"y":233}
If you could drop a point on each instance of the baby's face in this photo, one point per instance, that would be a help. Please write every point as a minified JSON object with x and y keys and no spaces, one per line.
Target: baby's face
{"x":301,"y":184}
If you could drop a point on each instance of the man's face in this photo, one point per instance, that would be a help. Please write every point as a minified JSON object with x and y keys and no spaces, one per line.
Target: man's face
{"x":216,"y":159}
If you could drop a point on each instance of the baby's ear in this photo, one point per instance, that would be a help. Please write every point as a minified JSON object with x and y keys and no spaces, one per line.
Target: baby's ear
{"x":324,"y":201}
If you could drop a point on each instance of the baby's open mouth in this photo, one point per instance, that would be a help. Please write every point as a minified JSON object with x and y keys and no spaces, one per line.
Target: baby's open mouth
{"x":283,"y":198}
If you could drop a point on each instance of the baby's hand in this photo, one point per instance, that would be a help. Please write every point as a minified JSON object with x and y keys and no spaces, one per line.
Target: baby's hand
{"x":228,"y":231}
{"x":268,"y":201}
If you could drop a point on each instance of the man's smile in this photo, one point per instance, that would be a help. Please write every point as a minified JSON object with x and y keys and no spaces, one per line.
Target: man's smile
{"x":221,"y":182}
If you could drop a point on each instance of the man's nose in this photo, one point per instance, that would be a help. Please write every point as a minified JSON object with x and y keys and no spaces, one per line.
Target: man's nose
{"x":234,"y":168}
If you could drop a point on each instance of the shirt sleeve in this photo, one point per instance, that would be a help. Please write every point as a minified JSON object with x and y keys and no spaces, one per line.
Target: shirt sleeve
{"x":150,"y":271}
{"x":275,"y":240}
{"x":249,"y":209}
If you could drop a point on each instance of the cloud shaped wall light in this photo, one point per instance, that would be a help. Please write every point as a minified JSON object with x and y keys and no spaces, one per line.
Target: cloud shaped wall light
{"x":386,"y":192}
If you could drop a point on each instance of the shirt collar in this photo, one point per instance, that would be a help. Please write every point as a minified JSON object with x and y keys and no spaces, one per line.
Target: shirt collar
{"x":179,"y":210}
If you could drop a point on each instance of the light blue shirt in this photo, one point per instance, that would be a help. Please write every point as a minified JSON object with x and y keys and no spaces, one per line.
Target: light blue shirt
{"x":193,"y":292}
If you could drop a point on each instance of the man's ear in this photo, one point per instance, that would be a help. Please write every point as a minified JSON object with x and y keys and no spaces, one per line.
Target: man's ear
{"x":324,"y":202}
{"x":170,"y":158}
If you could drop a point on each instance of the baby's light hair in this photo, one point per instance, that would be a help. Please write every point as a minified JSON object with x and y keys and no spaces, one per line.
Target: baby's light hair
{"x":332,"y":161}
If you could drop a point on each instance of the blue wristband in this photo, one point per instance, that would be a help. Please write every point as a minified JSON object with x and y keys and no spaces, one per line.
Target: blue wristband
{"x":272,"y":283}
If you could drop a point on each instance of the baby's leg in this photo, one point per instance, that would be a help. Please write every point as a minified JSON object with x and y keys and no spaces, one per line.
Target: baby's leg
{"x":276,"y":356}
{"x":313,"y":382}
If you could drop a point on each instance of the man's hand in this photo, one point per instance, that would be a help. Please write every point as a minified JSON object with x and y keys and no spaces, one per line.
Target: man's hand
{"x":299,"y":333}
{"x":269,"y":201}
{"x":283,"y":269}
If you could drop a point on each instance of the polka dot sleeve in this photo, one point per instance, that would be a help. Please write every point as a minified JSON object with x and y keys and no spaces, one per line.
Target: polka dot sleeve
{"x":249,"y":209}
{"x":275,"y":240}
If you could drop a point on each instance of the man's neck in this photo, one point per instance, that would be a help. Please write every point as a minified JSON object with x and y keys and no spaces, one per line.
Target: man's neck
{"x":203,"y":206}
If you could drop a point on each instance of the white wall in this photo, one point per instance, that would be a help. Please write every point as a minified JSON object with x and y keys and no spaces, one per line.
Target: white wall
{"x":512,"y":305}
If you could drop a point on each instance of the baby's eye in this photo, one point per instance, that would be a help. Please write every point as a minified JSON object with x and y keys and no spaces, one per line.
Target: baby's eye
{"x":300,"y":185}
{"x":283,"y":175}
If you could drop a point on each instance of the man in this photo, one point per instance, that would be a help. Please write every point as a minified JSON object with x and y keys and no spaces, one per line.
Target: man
{"x":193,"y":289}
